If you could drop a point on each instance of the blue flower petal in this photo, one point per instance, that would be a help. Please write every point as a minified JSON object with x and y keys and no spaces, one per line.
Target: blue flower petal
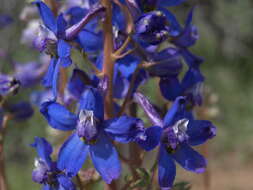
{"x":120,"y":85}
{"x":44,"y":149}
{"x":48,"y":78}
{"x":175,"y":28}
{"x":61,"y":26}
{"x":21,"y":110}
{"x":127,"y":65}
{"x":152,"y":138}
{"x":189,"y":17}
{"x":65,"y":182}
{"x":170,"y":87}
{"x":122,"y":129}
{"x":191,"y":59}
{"x":168,"y":3}
{"x":105,"y":159}
{"x":78,"y":83}
{"x":47,"y":16}
{"x":63,"y":49}
{"x":58,"y":116}
{"x":166,"y":170}
{"x":189,"y":159}
{"x":191,"y":78}
{"x":92,"y":100}
{"x":90,"y":42}
{"x":56,"y":78}
{"x":199,"y":131}
{"x":72,"y":155}
{"x":47,"y":187}
{"x":177,"y":106}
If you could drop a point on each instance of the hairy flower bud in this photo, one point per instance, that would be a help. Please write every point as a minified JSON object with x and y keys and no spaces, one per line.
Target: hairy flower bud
{"x":152,"y":27}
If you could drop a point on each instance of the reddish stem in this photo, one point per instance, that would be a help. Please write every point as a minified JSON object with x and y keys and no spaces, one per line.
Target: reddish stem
{"x":108,"y":68}
{"x":3,"y":179}
{"x":108,"y":62}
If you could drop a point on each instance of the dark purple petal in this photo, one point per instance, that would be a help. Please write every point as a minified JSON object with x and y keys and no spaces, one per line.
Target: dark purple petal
{"x":21,"y":110}
{"x":166,"y":63}
{"x":5,"y":20}
{"x":199,"y":131}
{"x":189,"y":159}
{"x":175,"y":27}
{"x":105,"y":159}
{"x":1,"y":117}
{"x":122,"y":129}
{"x":90,"y":41}
{"x":191,"y":78}
{"x":170,"y":87}
{"x":166,"y":169}
{"x":72,"y":155}
{"x":191,"y":59}
{"x":78,"y":83}
{"x":177,"y":106}
{"x":151,"y":138}
{"x":152,"y":27}
{"x":148,"y":108}
{"x":61,"y":26}
{"x":189,"y":35}
{"x":168,"y":3}
{"x":120,"y":86}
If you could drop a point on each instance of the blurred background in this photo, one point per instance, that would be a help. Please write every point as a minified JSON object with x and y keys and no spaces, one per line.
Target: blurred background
{"x":226,"y":44}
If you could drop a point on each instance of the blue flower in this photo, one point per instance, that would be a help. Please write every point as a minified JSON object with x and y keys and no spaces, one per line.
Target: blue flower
{"x":5,"y":20}
{"x":175,"y":134}
{"x":190,"y":86}
{"x":58,"y":26}
{"x":93,"y":134}
{"x":25,"y":76}
{"x":46,"y":171}
{"x":20,"y":111}
{"x":8,"y":85}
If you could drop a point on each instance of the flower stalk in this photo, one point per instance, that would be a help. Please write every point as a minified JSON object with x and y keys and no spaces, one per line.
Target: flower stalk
{"x":108,"y":62}
{"x":3,"y":179}
{"x":108,"y":67}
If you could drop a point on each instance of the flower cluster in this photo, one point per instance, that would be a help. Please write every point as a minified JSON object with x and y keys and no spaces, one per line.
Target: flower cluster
{"x":123,"y":44}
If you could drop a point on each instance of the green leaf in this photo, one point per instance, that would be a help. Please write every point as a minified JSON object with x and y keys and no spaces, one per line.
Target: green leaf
{"x":183,"y":185}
